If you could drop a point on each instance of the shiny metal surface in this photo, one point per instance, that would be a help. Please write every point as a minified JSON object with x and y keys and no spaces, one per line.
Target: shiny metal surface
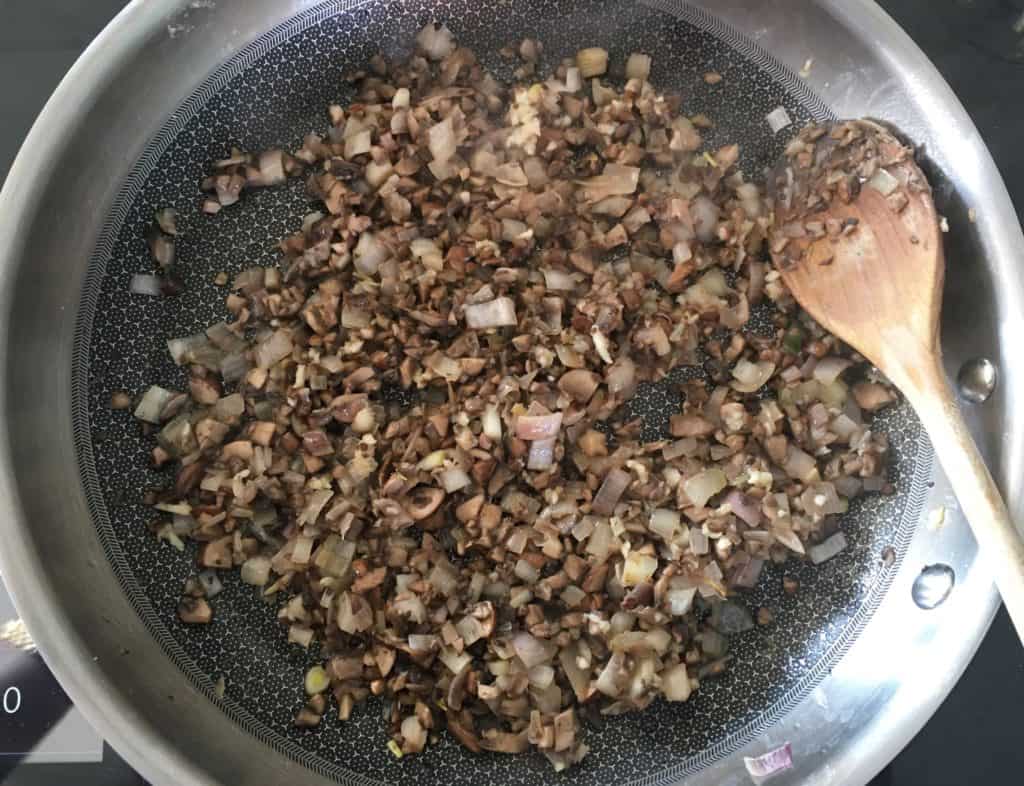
{"x":977,"y":379}
{"x":932,"y":586}
{"x":84,"y":146}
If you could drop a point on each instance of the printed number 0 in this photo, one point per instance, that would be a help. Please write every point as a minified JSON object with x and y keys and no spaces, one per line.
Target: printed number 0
{"x":12,"y":700}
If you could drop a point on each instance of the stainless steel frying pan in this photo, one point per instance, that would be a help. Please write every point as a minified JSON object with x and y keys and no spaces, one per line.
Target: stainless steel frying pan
{"x":852,"y":668}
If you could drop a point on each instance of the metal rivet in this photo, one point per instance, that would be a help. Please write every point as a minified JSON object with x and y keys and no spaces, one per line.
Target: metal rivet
{"x":977,"y":379}
{"x":933,"y":585}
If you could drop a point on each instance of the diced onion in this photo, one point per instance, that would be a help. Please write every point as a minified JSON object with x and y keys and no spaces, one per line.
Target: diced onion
{"x":638,"y":66}
{"x":454,"y":479}
{"x":778,"y":119}
{"x":441,"y":141}
{"x":770,"y":763}
{"x":491,"y":422}
{"x":698,"y":541}
{"x":274,"y":349}
{"x":704,"y":485}
{"x":883,"y":182}
{"x":531,"y":650}
{"x":680,"y":600}
{"x":369,"y":253}
{"x":499,"y":312}
{"x":152,"y":404}
{"x":675,"y":683}
{"x":705,"y":216}
{"x":611,"y":490}
{"x":745,"y":507}
{"x":256,"y":571}
{"x":828,"y":369}
{"x":542,"y":454}
{"x":615,"y":179}
{"x":827,"y":549}
{"x":146,"y":284}
{"x":664,"y":523}
{"x":532,"y":427}
{"x":638,"y":569}
{"x":558,"y":280}
{"x":436,"y":41}
{"x":211,"y":583}
{"x":751,"y":376}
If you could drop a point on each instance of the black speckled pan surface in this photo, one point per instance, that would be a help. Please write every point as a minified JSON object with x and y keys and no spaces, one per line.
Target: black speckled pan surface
{"x":271,"y":94}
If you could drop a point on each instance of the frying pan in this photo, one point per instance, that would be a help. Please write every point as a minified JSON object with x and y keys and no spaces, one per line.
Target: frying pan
{"x":851,"y":669}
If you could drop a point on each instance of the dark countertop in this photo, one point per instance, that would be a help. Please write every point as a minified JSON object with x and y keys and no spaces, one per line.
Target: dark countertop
{"x":974,"y":737}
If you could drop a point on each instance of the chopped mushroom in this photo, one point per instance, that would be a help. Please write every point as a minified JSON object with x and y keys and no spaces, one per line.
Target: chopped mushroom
{"x":415,"y":433}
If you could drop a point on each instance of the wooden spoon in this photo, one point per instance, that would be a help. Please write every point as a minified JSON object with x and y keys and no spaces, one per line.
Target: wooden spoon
{"x":857,"y":242}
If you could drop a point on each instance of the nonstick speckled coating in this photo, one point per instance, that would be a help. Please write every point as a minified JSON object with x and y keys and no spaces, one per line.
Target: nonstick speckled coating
{"x":271,"y":94}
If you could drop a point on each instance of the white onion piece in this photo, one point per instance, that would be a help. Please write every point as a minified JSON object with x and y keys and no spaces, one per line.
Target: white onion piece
{"x":531,"y":650}
{"x":698,"y":541}
{"x":573,"y":80}
{"x":274,"y":349}
{"x":770,"y":763}
{"x":179,"y":348}
{"x":828,"y":369}
{"x":883,"y":182}
{"x":499,"y":312}
{"x":271,"y":169}
{"x":152,"y":403}
{"x":748,"y":575}
{"x":441,"y":141}
{"x":454,"y":479}
{"x":256,"y":571}
{"x":616,"y":179}
{"x":704,"y":485}
{"x":612,"y":488}
{"x":558,"y":280}
{"x":751,"y":376}
{"x":369,"y":253}
{"x":533,"y":427}
{"x":491,"y":422}
{"x":211,"y":583}
{"x":800,"y":465}
{"x":454,"y":661}
{"x":705,"y":216}
{"x":542,"y":454}
{"x":827,"y":549}
{"x":675,"y":683}
{"x":145,"y":284}
{"x":680,"y":600}
{"x":745,"y":507}
{"x":778,"y":119}
{"x":664,"y":523}
{"x":422,"y":643}
{"x":638,"y":569}
{"x":638,"y":66}
{"x":436,"y":41}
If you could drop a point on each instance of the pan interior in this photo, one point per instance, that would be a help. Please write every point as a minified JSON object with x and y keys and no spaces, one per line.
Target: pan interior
{"x":271,"y":94}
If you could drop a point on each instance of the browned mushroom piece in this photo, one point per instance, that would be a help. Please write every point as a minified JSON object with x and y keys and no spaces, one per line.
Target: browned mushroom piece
{"x":457,"y":689}
{"x":217,"y":553}
{"x":189,"y":477}
{"x":194,"y":611}
{"x":463,"y":733}
{"x":306,"y":718}
{"x":871,"y":396}
{"x":204,"y":390}
{"x":504,"y":741}
{"x":580,"y":384}
{"x":422,"y":501}
{"x":691,"y":426}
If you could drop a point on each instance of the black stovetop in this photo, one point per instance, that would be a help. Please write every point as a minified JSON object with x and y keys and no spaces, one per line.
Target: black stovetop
{"x":974,"y":737}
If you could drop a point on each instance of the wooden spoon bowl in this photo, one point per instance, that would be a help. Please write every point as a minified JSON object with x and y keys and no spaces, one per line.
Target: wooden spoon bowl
{"x":858,"y":243}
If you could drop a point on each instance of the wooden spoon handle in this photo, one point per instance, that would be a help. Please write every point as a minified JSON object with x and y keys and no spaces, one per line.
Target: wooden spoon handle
{"x":999,"y":541}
